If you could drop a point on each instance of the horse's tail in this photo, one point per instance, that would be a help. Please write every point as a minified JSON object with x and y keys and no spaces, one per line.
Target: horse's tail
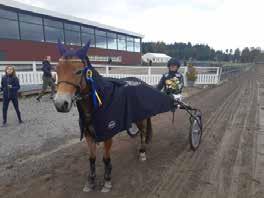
{"x":149,"y":131}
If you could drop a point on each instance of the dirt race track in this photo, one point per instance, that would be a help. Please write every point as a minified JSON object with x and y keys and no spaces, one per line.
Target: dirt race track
{"x":229,"y":162}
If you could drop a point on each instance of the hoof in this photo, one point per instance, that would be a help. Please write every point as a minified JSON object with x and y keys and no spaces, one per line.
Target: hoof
{"x":107,"y":187}
{"x":142,"y":156}
{"x":88,"y":187}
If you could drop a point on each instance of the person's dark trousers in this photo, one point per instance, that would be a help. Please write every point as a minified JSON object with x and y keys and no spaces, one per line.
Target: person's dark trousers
{"x":47,"y":82}
{"x":5,"y":108}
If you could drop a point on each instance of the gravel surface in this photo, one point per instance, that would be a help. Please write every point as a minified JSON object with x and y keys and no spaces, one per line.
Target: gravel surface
{"x":43,"y":129}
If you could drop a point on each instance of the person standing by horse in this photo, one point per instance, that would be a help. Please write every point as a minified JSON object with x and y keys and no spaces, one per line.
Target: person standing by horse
{"x":172,"y":82}
{"x":10,"y":86}
{"x":47,"y":79}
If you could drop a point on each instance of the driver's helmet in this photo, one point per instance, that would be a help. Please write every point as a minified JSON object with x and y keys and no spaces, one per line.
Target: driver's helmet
{"x":174,"y":61}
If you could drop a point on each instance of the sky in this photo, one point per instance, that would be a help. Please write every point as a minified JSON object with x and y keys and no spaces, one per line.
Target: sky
{"x":222,"y":24}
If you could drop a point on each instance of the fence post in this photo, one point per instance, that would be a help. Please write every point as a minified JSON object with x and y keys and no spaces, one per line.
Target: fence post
{"x":107,"y":70}
{"x":185,"y":76}
{"x":34,"y":66}
{"x":219,"y":73}
{"x":149,"y":71}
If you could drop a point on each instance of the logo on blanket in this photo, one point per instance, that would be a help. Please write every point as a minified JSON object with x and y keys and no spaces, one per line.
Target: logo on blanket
{"x":111,"y":125}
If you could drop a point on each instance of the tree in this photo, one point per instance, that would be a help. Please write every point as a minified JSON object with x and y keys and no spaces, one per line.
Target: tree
{"x":237,"y":55}
{"x":187,"y":51}
{"x":245,"y":55}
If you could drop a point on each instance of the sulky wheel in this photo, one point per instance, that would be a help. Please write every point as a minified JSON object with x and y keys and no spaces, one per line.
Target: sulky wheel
{"x":196,"y":129}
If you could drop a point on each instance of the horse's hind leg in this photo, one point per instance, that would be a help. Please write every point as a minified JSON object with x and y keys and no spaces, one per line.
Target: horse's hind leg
{"x":108,"y":166}
{"x":91,"y":183}
{"x":142,"y":126}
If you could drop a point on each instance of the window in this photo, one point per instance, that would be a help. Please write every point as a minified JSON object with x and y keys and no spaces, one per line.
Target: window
{"x":72,"y":34}
{"x":31,"y":32}
{"x":53,"y":30}
{"x":31,"y":27}
{"x":72,"y":38}
{"x":87,"y":30}
{"x":10,"y":30}
{"x":88,"y":35}
{"x":7,"y":14}
{"x":53,"y":23}
{"x":53,"y":34}
{"x":130,"y":44}
{"x":30,"y":19}
{"x":137,"y":45}
{"x":112,"y":41}
{"x":73,"y":27}
{"x":9,"y":24}
{"x":121,"y":42}
{"x":101,"y":39}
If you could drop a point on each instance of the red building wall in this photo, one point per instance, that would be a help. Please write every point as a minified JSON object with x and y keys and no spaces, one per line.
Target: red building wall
{"x":16,"y":50}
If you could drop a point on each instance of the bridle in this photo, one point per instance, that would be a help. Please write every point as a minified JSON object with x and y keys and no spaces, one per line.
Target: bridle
{"x":78,"y":94}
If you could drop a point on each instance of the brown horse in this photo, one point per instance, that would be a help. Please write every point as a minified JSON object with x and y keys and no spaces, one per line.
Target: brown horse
{"x":71,"y":82}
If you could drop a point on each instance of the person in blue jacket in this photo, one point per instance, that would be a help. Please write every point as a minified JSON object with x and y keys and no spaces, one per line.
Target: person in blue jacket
{"x":47,"y":78}
{"x":9,"y":87}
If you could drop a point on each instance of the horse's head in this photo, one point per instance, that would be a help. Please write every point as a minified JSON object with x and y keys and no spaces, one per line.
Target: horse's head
{"x":70,"y":76}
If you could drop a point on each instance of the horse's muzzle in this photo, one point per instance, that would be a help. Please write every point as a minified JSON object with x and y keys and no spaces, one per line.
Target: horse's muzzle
{"x":63,"y":102}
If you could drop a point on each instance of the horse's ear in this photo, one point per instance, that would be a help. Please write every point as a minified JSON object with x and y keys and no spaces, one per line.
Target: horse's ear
{"x":61,"y":47}
{"x":82,"y":53}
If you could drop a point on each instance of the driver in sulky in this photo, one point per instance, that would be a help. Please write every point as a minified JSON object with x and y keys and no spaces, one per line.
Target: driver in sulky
{"x":172,"y":82}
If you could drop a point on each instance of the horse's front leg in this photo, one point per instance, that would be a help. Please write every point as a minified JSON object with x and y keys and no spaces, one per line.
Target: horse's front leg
{"x":91,"y":183}
{"x":108,"y":166}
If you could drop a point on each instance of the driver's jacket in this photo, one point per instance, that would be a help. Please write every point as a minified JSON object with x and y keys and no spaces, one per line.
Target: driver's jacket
{"x":171,"y":83}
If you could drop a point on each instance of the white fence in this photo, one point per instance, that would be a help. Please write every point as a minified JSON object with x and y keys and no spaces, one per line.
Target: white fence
{"x":151,"y":75}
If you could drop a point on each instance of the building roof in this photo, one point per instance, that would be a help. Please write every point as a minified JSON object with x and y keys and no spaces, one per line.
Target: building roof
{"x":25,"y":7}
{"x":157,"y":55}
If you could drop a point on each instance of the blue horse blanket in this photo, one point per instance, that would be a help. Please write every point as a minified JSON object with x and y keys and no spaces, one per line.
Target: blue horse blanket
{"x":125,"y":101}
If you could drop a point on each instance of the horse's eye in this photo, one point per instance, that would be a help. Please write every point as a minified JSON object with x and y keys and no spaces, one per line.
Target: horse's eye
{"x":79,"y":72}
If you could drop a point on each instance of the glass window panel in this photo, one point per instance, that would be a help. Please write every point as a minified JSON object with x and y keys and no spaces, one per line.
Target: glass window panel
{"x":53,"y":34}
{"x":121,"y":37}
{"x":130,"y":46}
{"x":137,"y":47}
{"x":112,"y":43}
{"x":87,"y":37}
{"x":8,"y":14}
{"x":88,"y":30}
{"x":31,"y":32}
{"x":53,"y":23}
{"x":70,"y":26}
{"x":137,"y":40}
{"x":100,"y":33}
{"x":30,"y":18}
{"x":121,"y":44}
{"x":101,"y":42}
{"x":73,"y":38}
{"x":111,"y":35}
{"x":10,"y":29}
{"x":130,"y":39}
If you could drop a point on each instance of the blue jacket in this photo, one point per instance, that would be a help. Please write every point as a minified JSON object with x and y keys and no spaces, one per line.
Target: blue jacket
{"x":46,"y":68}
{"x":10,"y":86}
